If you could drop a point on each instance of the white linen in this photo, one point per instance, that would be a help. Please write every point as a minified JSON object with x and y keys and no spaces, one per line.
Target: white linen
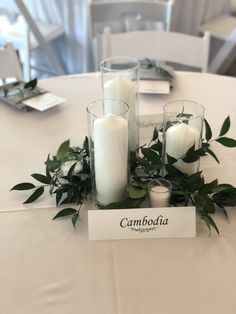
{"x":48,"y":267}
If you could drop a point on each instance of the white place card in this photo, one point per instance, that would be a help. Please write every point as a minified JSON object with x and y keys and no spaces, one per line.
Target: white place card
{"x":154,"y":87}
{"x":141,"y":223}
{"x":44,"y":101}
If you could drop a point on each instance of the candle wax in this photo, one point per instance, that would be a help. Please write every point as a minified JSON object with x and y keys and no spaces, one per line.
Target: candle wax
{"x":179,"y":138}
{"x":110,"y":158}
{"x":125,"y":90}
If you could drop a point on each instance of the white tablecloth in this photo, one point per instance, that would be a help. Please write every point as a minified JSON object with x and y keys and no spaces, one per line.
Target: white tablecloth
{"x":75,"y":50}
{"x":48,"y":267}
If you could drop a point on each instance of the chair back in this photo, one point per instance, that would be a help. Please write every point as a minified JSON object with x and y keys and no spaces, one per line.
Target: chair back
{"x":163,"y":46}
{"x":125,"y":16}
{"x":9,"y":63}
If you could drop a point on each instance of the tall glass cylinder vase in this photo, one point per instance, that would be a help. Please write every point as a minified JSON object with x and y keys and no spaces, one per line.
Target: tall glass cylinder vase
{"x":120,"y":77}
{"x":182,"y":129}
{"x":108,"y":134}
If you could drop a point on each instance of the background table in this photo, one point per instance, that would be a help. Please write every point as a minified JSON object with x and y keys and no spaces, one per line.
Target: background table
{"x":48,"y":267}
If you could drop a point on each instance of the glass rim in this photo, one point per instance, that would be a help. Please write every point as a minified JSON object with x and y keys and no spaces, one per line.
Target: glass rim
{"x":106,"y":99}
{"x":186,"y":101}
{"x":134,"y":60}
{"x":168,"y":186}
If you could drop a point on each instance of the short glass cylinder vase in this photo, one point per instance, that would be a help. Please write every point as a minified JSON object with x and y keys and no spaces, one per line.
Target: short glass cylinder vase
{"x":159,"y":192}
{"x":120,"y":80}
{"x":108,"y":139}
{"x":182,"y":129}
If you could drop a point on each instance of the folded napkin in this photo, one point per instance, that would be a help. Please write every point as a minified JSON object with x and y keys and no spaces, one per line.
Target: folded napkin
{"x":149,"y":70}
{"x":16,"y":93}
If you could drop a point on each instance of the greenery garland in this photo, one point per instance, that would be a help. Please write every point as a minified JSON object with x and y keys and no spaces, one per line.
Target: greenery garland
{"x":73,"y":185}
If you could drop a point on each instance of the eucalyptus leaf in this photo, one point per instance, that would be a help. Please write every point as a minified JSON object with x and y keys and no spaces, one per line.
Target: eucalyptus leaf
{"x":136,"y":192}
{"x":225,"y":127}
{"x":208,"y":132}
{"x":210,"y":223}
{"x":65,"y":212}
{"x":222,"y":210}
{"x":52,"y":165}
{"x":41,"y":178}
{"x":63,"y":149}
{"x":210,"y":152}
{"x":155,"y":134}
{"x":226,"y":141}
{"x":151,"y":155}
{"x":36,"y":194}
{"x":31,"y":84}
{"x":23,"y":186}
{"x":128,"y":203}
{"x":74,"y":218}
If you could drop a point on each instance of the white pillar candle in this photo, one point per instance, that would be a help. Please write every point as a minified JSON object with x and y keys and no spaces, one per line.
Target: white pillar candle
{"x":159,"y":196}
{"x":125,"y":90}
{"x":179,"y":138}
{"x":110,"y":158}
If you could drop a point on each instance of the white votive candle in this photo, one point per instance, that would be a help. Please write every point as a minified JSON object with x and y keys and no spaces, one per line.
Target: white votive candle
{"x":179,"y":138}
{"x":110,"y":158}
{"x":125,"y":90}
{"x":159,"y":196}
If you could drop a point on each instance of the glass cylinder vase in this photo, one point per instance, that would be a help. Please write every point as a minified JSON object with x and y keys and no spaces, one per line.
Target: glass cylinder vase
{"x":108,"y":137}
{"x":120,"y":77}
{"x":182,"y":129}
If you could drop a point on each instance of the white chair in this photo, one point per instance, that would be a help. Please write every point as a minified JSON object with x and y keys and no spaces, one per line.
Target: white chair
{"x":156,"y":45}
{"x":126,"y":16}
{"x":27,"y":35}
{"x":233,"y":7}
{"x":222,"y":29}
{"x":9,"y":63}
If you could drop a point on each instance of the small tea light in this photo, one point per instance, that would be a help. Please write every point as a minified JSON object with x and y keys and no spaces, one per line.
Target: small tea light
{"x":159,"y":192}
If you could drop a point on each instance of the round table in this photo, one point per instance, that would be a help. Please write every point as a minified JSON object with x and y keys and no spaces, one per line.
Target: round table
{"x":49,"y":267}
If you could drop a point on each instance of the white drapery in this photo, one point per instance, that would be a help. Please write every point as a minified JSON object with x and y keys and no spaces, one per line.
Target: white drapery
{"x":75,"y":49}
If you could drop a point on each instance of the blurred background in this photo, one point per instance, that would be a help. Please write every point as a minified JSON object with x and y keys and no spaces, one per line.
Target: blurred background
{"x":61,"y":37}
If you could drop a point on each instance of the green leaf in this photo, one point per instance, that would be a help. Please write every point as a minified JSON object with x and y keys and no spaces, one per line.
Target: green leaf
{"x":209,"y":187}
{"x":223,"y":211}
{"x":52,"y":165}
{"x":151,"y":155}
{"x":135,"y":192}
{"x":63,"y":149}
{"x":74,"y":218}
{"x":222,"y":187}
{"x":213,"y":224}
{"x":31,"y":84}
{"x":208,"y":132}
{"x":155,"y":134}
{"x":225,"y":127}
{"x":41,"y":178}
{"x":48,"y":174}
{"x":71,"y":172}
{"x":23,"y":186}
{"x":226,"y":141}
{"x":37,"y":193}
{"x":65,"y":212}
{"x":86,"y":145}
{"x":128,"y":203}
{"x":210,"y":223}
{"x":210,"y":152}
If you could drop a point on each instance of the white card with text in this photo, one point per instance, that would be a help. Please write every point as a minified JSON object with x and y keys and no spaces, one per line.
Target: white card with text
{"x":154,"y":87}
{"x":44,"y":101}
{"x":140,"y":223}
